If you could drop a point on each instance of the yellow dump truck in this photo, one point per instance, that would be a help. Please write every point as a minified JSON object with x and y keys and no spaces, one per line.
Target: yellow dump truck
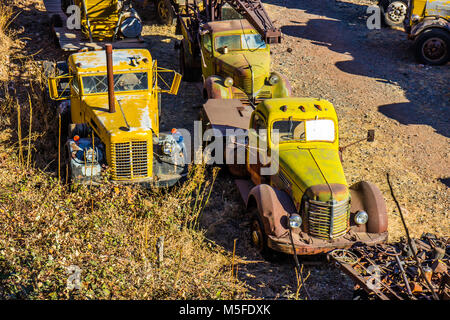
{"x":110,"y":102}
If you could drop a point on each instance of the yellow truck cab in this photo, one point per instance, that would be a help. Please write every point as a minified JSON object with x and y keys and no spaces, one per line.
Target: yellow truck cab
{"x":111,"y":108}
{"x":428,"y":24}
{"x":305,"y":193}
{"x":236,"y":63}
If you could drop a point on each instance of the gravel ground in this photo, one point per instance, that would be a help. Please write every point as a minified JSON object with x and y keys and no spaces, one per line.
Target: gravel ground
{"x":373,"y":81}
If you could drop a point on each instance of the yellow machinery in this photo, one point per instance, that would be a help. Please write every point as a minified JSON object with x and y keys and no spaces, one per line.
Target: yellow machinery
{"x":428,"y":24}
{"x":106,"y":19}
{"x":110,"y":103}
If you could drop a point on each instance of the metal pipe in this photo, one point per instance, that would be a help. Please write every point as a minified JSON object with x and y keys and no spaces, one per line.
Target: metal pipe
{"x":405,"y":279}
{"x":110,"y":76}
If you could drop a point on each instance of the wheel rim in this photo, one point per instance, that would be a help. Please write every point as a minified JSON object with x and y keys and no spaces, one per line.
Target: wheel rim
{"x":163,"y":11}
{"x":257,"y":237}
{"x":434,"y":49}
{"x":396,"y":11}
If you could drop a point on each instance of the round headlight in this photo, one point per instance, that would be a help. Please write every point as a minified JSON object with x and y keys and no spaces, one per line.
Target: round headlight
{"x":295,"y":221}
{"x":228,"y":82}
{"x":91,"y":156}
{"x":415,"y":18}
{"x":274,"y":79}
{"x":361,"y":217}
{"x":167,"y":148}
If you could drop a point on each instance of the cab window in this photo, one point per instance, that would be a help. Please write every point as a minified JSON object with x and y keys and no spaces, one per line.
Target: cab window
{"x":207,"y":42}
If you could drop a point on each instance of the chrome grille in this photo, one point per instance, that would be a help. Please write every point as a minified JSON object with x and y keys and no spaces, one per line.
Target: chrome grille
{"x":328,"y":220}
{"x":130,"y":160}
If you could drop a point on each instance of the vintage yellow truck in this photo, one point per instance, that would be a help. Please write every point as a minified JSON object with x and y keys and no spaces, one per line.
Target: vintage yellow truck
{"x":428,"y":24}
{"x":110,"y":103}
{"x":236,"y":63}
{"x":227,"y":45}
{"x":304,"y":192}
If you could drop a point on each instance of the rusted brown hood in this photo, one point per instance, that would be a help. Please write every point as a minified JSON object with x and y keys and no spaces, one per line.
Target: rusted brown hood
{"x":236,"y":65}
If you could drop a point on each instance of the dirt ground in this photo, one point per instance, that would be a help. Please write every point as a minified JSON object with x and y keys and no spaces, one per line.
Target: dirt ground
{"x":374,"y":82}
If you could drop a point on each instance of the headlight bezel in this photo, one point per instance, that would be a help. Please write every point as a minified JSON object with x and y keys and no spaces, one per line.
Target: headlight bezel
{"x":167,"y":148}
{"x":361,"y":217}
{"x":295,"y":221}
{"x":228,"y":82}
{"x":274,"y":79}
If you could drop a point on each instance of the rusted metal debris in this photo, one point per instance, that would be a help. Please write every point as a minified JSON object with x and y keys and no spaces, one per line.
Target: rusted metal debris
{"x":390,"y":271}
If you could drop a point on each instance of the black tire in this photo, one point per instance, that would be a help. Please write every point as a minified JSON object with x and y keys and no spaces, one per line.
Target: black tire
{"x":260,"y":244}
{"x":164,"y":13}
{"x":394,"y":12}
{"x":432,"y":46}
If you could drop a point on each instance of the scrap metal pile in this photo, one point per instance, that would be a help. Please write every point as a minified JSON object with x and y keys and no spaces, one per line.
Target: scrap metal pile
{"x":392,"y":272}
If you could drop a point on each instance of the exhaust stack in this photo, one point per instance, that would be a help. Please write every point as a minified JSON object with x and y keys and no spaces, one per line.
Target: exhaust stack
{"x":110,"y":75}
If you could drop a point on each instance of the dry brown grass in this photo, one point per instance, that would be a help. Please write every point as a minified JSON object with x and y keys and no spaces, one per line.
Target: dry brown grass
{"x":109,"y":232}
{"x":6,"y":14}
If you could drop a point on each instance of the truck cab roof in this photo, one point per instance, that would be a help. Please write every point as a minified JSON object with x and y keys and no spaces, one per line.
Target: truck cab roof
{"x":240,"y":25}
{"x":123,"y":60}
{"x":299,"y":108}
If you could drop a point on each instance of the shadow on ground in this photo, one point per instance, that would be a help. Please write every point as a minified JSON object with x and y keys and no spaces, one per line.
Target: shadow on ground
{"x":343,"y":29}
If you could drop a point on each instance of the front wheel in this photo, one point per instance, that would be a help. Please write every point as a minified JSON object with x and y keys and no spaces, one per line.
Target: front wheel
{"x":164,"y":13}
{"x":394,"y":12}
{"x":432,"y":47}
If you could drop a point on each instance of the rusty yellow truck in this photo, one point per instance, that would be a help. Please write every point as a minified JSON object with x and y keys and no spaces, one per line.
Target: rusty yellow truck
{"x":303,"y":192}
{"x":111,"y":103}
{"x":428,"y":24}
{"x":227,"y":45}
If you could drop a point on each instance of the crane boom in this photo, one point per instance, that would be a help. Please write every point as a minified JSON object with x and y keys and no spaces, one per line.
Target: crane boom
{"x":254,"y":12}
{"x":251,"y":10}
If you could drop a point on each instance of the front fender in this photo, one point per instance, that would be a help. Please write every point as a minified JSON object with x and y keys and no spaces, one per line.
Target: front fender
{"x":274,"y":207}
{"x":427,"y":23}
{"x":366,"y":196}
{"x":215,"y":88}
{"x":283,"y":88}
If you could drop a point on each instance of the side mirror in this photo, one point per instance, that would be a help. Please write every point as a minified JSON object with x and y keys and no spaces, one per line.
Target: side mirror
{"x":59,"y":87}
{"x":176,"y":81}
{"x":175,"y":84}
{"x":370,"y":138}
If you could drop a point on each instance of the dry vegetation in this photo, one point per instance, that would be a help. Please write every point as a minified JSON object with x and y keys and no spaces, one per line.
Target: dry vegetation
{"x":110,"y":233}
{"x":5,"y":40}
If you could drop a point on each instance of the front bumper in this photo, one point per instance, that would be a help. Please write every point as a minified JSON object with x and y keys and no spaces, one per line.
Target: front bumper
{"x":309,"y":245}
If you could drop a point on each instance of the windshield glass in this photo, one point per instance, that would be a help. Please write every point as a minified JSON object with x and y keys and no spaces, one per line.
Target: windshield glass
{"x":240,"y":42}
{"x":122,"y":82}
{"x":303,"y":131}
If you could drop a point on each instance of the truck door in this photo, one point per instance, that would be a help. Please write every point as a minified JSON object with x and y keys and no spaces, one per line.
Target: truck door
{"x":77,"y":116}
{"x":256,"y":145}
{"x":207,"y":54}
